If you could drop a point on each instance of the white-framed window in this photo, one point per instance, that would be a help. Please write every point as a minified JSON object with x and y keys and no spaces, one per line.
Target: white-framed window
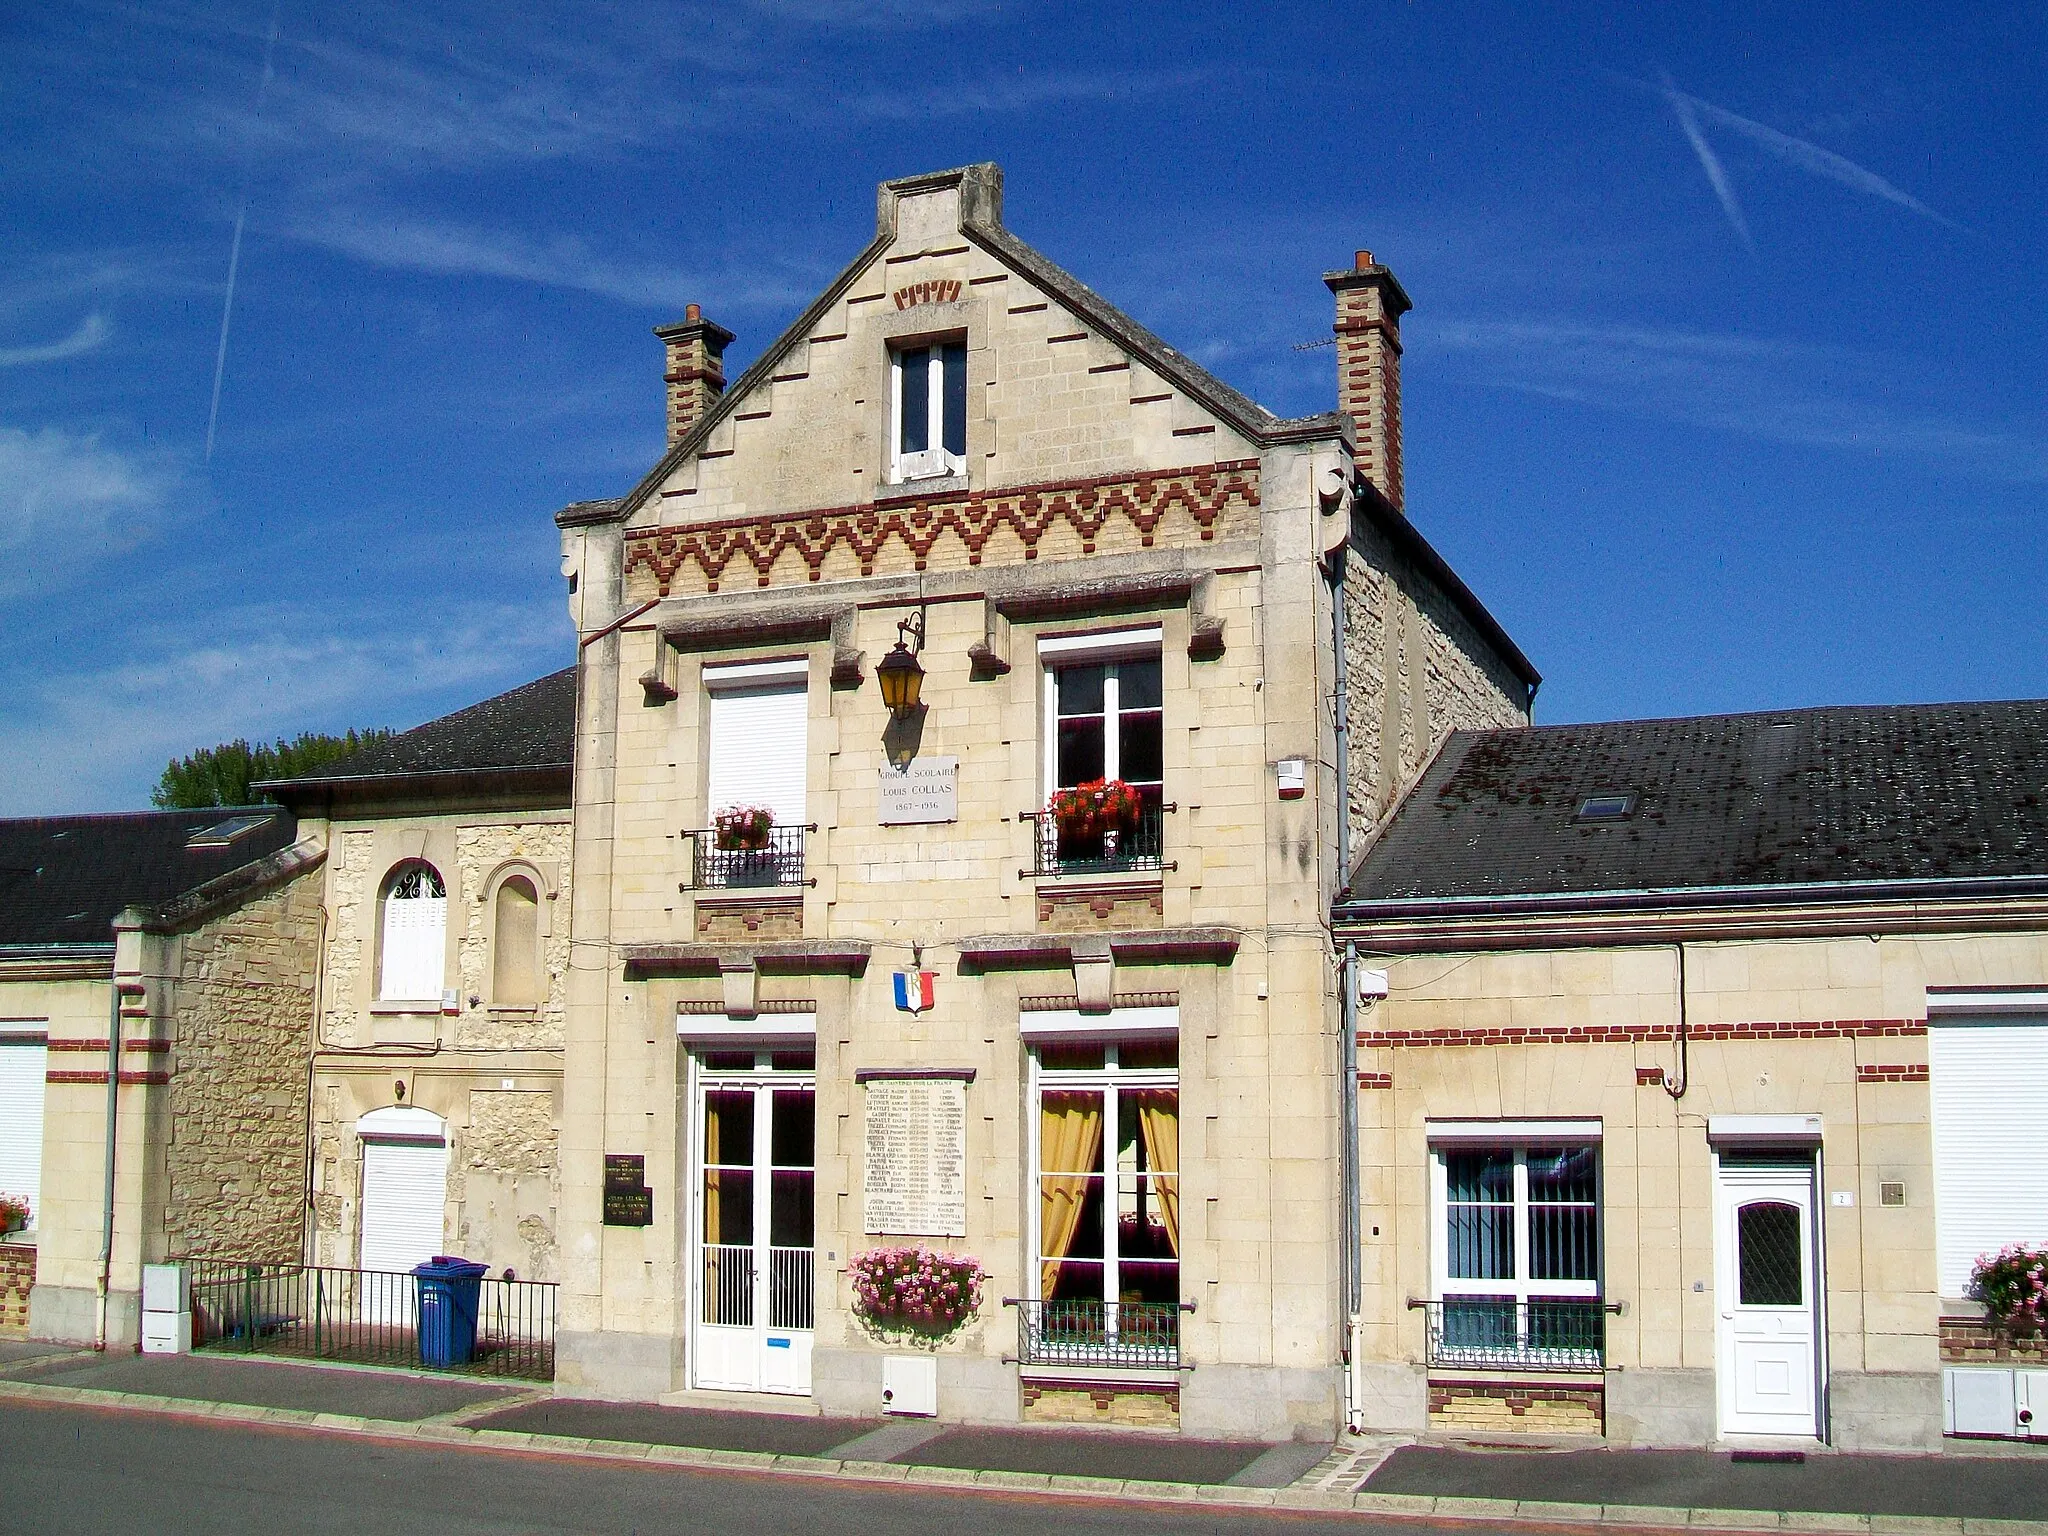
{"x":1104,"y":715}
{"x":928,"y":410}
{"x":1106,"y":1162}
{"x":1515,"y":1245}
{"x":24,"y":1059}
{"x":414,"y":935}
{"x":756,"y":721}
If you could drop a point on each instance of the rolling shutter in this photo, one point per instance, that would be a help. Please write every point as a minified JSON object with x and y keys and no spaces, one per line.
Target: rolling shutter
{"x":758,"y":749}
{"x":21,"y":1118}
{"x":405,"y":1191}
{"x":415,"y":948}
{"x":1989,"y":1094}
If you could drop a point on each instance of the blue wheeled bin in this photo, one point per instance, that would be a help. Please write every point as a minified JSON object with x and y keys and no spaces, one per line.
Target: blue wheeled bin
{"x":448,"y":1292}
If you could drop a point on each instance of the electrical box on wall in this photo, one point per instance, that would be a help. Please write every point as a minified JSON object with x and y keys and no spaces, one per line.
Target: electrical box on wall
{"x":910,"y":1385}
{"x":1293,"y":772}
{"x":1978,"y":1402}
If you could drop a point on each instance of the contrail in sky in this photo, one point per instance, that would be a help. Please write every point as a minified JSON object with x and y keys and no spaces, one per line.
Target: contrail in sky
{"x":227,"y":309}
{"x":1682,"y":107}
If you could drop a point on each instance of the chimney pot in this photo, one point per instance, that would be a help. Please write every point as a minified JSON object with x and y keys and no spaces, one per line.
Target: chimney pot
{"x":692,"y":313}
{"x":1361,"y":260}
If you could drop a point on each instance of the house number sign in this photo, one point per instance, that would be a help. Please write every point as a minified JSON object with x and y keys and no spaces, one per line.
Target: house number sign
{"x":916,"y":1182}
{"x":628,"y":1202}
{"x":926,"y":792}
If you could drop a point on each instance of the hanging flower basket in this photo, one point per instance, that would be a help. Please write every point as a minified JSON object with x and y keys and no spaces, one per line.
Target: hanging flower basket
{"x":915,"y":1293}
{"x":2013,"y":1285}
{"x":743,"y":828}
{"x":14,"y":1213}
{"x":1092,"y":816}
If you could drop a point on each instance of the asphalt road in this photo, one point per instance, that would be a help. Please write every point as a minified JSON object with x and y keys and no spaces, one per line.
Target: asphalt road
{"x":79,"y":1471}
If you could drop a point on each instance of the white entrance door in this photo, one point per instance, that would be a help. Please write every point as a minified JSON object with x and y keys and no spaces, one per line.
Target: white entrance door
{"x":754,"y":1182}
{"x":405,"y":1191}
{"x":1767,"y":1285}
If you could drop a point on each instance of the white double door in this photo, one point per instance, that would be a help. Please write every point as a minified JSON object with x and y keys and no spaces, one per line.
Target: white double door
{"x":752,"y":1256}
{"x":1767,"y":1283}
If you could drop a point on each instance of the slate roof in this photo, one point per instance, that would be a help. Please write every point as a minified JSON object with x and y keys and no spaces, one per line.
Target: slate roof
{"x":63,"y":878}
{"x":1892,"y":794}
{"x":530,"y":730}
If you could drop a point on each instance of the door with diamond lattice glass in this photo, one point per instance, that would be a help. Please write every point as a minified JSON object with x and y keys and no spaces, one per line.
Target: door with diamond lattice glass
{"x":1766,"y":1280}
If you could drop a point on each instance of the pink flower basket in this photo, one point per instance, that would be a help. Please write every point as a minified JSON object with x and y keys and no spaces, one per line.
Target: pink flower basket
{"x":915,"y":1292}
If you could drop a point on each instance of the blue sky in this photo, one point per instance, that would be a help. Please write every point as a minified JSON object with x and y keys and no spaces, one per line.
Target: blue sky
{"x":1724,"y":385}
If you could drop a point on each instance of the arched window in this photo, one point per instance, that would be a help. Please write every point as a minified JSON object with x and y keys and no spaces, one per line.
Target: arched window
{"x":515,"y":945}
{"x":415,"y":935}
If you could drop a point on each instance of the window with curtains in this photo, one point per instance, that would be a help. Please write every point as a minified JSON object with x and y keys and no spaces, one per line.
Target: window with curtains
{"x":1108,"y":1170}
{"x":414,"y":935}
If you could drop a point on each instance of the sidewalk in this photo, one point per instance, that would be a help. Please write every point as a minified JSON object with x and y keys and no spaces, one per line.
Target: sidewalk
{"x":1853,"y":1495}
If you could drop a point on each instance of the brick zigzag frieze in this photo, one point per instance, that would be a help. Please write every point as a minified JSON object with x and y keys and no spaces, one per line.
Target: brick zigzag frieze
{"x":1631,"y":1034}
{"x":1085,"y":506}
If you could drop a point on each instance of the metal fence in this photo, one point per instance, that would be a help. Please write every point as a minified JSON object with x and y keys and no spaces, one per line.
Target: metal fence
{"x":1498,"y":1333}
{"x":730,"y":1273}
{"x":1099,"y":1333}
{"x":1140,"y":847}
{"x":367,"y":1317}
{"x":780,"y":862}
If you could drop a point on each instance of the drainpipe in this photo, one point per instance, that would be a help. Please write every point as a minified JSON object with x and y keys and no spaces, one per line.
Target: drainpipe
{"x":99,"y":1341}
{"x":1349,"y":1259}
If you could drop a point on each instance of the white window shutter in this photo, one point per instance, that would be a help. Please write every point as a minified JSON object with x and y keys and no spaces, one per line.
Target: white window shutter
{"x":758,"y":750}
{"x":1989,"y":1097}
{"x":415,"y":948}
{"x":22,"y":1064}
{"x":405,"y":1193}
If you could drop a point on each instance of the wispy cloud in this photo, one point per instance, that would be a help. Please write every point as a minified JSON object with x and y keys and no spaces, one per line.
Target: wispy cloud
{"x":406,"y":243}
{"x":1800,"y":153}
{"x":1688,"y":120}
{"x":68,"y":499}
{"x":96,"y":736}
{"x":999,"y":94}
{"x":1760,"y":387}
{"x":90,"y":336}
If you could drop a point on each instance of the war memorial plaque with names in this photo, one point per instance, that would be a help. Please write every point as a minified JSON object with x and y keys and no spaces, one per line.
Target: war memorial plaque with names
{"x":916,"y":1158}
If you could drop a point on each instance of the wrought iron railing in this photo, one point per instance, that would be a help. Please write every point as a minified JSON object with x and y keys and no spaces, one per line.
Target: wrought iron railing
{"x":368,"y":1317}
{"x":1499,"y":1333}
{"x":730,"y":1272}
{"x":1099,"y":1333}
{"x":780,"y":861}
{"x":1102,"y":853}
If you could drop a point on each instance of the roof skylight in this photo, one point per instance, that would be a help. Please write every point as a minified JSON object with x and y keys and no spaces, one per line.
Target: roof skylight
{"x":1610,"y":807}
{"x":222,"y":833}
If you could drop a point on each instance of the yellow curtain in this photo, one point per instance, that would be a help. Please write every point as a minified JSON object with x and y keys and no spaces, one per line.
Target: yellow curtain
{"x":1159,"y":1119}
{"x":1069,"y":1138}
{"x":714,"y":1290}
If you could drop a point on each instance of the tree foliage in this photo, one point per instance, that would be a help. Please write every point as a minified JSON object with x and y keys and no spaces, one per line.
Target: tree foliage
{"x":223,"y":775}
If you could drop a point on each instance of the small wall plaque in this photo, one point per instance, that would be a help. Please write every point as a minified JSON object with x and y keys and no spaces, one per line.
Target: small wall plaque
{"x":925,"y":793}
{"x":628,"y":1202}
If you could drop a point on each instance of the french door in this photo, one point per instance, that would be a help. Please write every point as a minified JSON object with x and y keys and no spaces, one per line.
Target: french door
{"x":1767,"y":1283}
{"x":754,"y":1178}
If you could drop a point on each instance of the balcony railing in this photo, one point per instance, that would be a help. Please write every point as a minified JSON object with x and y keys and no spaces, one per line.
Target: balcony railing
{"x":368,"y":1317}
{"x":779,"y":862}
{"x":1499,"y":1333}
{"x":1104,"y":853}
{"x":1112,"y":1334}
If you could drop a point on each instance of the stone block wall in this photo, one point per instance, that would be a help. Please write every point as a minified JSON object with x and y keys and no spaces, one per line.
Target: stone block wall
{"x":1978,"y":1341}
{"x":17,"y":1279}
{"x":234,"y":1160}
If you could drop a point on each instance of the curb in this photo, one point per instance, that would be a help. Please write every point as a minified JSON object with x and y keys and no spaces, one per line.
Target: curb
{"x":1386,"y":1506}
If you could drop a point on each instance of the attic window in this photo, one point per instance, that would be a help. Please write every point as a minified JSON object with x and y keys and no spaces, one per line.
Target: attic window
{"x":928,"y":411}
{"x":1606,"y":808}
{"x":223,"y":833}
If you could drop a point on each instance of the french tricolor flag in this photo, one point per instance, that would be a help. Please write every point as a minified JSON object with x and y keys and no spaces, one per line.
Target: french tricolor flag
{"x":914,"y":990}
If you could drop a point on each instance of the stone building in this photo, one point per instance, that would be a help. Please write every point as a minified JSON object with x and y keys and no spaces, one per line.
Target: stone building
{"x":1707,"y":1056}
{"x":436,"y":1055}
{"x":901,"y":998}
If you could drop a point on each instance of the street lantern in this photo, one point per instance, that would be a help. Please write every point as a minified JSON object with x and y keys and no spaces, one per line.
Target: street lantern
{"x":899,"y":674}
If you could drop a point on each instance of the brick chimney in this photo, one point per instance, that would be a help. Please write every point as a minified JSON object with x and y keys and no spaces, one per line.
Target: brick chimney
{"x":1370,"y":304}
{"x":696,"y":369}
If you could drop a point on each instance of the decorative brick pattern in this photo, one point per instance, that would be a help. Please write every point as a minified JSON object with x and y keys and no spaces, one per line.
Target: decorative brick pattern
{"x":17,"y":1278}
{"x":1649,"y":1077}
{"x":1532,"y":1409}
{"x":948,"y":531}
{"x":1977,"y":1341}
{"x":1157,"y":1408}
{"x":769,"y":918}
{"x":1088,"y":911}
{"x":1905,"y":1072}
{"x":1067,"y":1001}
{"x":1636,"y":1034}
{"x":1376,"y":1080}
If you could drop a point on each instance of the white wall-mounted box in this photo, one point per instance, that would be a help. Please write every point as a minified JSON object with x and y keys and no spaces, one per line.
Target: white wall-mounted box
{"x":166,"y":1288}
{"x":910,"y":1385}
{"x":1978,"y":1400}
{"x":167,"y":1333}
